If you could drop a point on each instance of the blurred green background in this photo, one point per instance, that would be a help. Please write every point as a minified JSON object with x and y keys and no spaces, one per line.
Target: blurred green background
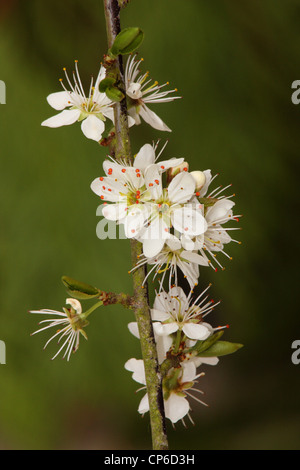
{"x":233,"y":62}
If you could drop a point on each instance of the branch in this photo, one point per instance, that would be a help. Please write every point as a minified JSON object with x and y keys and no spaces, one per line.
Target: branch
{"x":141,"y":303}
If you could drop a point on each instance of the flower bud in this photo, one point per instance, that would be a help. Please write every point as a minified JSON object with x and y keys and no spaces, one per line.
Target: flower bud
{"x":79,"y":290}
{"x":127,"y":41}
{"x":199,"y":178}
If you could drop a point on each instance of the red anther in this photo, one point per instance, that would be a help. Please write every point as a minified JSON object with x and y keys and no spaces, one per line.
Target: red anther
{"x":137,"y":170}
{"x":198,"y":194}
{"x":186,"y":229}
{"x":138,"y":175}
{"x":123,"y":170}
{"x":109,"y":189}
{"x":216,"y":269}
{"x":109,"y":171}
{"x":138,"y":193}
{"x":185,"y":169}
{"x":101,"y":178}
{"x":103,"y":187}
{"x":156,"y":181}
{"x":133,"y":230}
{"x":162,"y":167}
{"x":101,"y":197}
{"x":236,"y":218}
{"x":150,"y":184}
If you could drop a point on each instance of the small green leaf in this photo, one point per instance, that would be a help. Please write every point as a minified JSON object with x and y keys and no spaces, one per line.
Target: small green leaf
{"x":127,"y":41}
{"x":221,"y":348}
{"x":79,"y":290}
{"x":114,"y":94}
{"x":105,"y":83}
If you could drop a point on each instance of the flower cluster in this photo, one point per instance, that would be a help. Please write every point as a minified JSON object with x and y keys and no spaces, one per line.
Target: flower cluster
{"x":174,"y":213}
{"x":178,"y":325}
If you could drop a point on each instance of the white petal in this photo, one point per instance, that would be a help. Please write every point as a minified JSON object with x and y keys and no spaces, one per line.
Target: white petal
{"x":159,"y":315}
{"x":164,"y":329}
{"x":219,"y":210}
{"x":196,"y":331}
{"x":114,"y":211}
{"x":152,"y":247}
{"x":176,"y":407}
{"x":144,"y":405}
{"x":188,"y":221}
{"x":212,"y":361}
{"x":207,"y":174}
{"x":145,"y":157}
{"x":189,"y":371}
{"x":75,"y":304}
{"x":172,"y":162}
{"x":153,"y":181}
{"x":181,"y":188}
{"x":134,"y":223}
{"x":93,"y":127}
{"x":65,"y":118}
{"x":133,"y":328}
{"x":59,"y":100}
{"x":187,"y":243}
{"x":137,"y":367}
{"x":151,"y":118}
{"x":194,"y":258}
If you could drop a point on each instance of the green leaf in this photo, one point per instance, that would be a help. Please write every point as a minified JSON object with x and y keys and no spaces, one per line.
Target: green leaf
{"x":79,"y":290}
{"x":114,"y":94}
{"x":105,"y":83}
{"x":127,"y":41}
{"x":221,"y":348}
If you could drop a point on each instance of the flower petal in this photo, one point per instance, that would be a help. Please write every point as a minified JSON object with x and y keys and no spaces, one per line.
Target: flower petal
{"x":137,"y":367}
{"x":196,"y":331}
{"x":188,"y":221}
{"x":93,"y":128}
{"x":181,"y":188}
{"x":151,"y":118}
{"x":65,"y":118}
{"x":59,"y":100}
{"x":164,"y":329}
{"x":176,"y":407}
{"x":144,"y":405}
{"x":145,"y":157}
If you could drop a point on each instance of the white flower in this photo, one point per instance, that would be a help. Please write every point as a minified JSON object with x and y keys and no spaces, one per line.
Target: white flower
{"x":171,"y":258}
{"x":140,"y":93}
{"x":169,"y":208}
{"x":175,"y":402}
{"x":217,"y":211}
{"x":174,"y":311}
{"x":140,"y":202}
{"x":91,"y":110}
{"x":69,"y":325}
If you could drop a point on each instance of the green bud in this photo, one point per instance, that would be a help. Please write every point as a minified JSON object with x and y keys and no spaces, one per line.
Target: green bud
{"x":221,"y":348}
{"x":127,"y":41}
{"x":114,"y":94}
{"x":79,"y":290}
{"x":105,"y":83}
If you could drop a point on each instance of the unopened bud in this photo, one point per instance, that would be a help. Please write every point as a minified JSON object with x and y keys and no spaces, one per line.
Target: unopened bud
{"x":199,"y":178}
{"x":78,"y":289}
{"x":127,"y":41}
